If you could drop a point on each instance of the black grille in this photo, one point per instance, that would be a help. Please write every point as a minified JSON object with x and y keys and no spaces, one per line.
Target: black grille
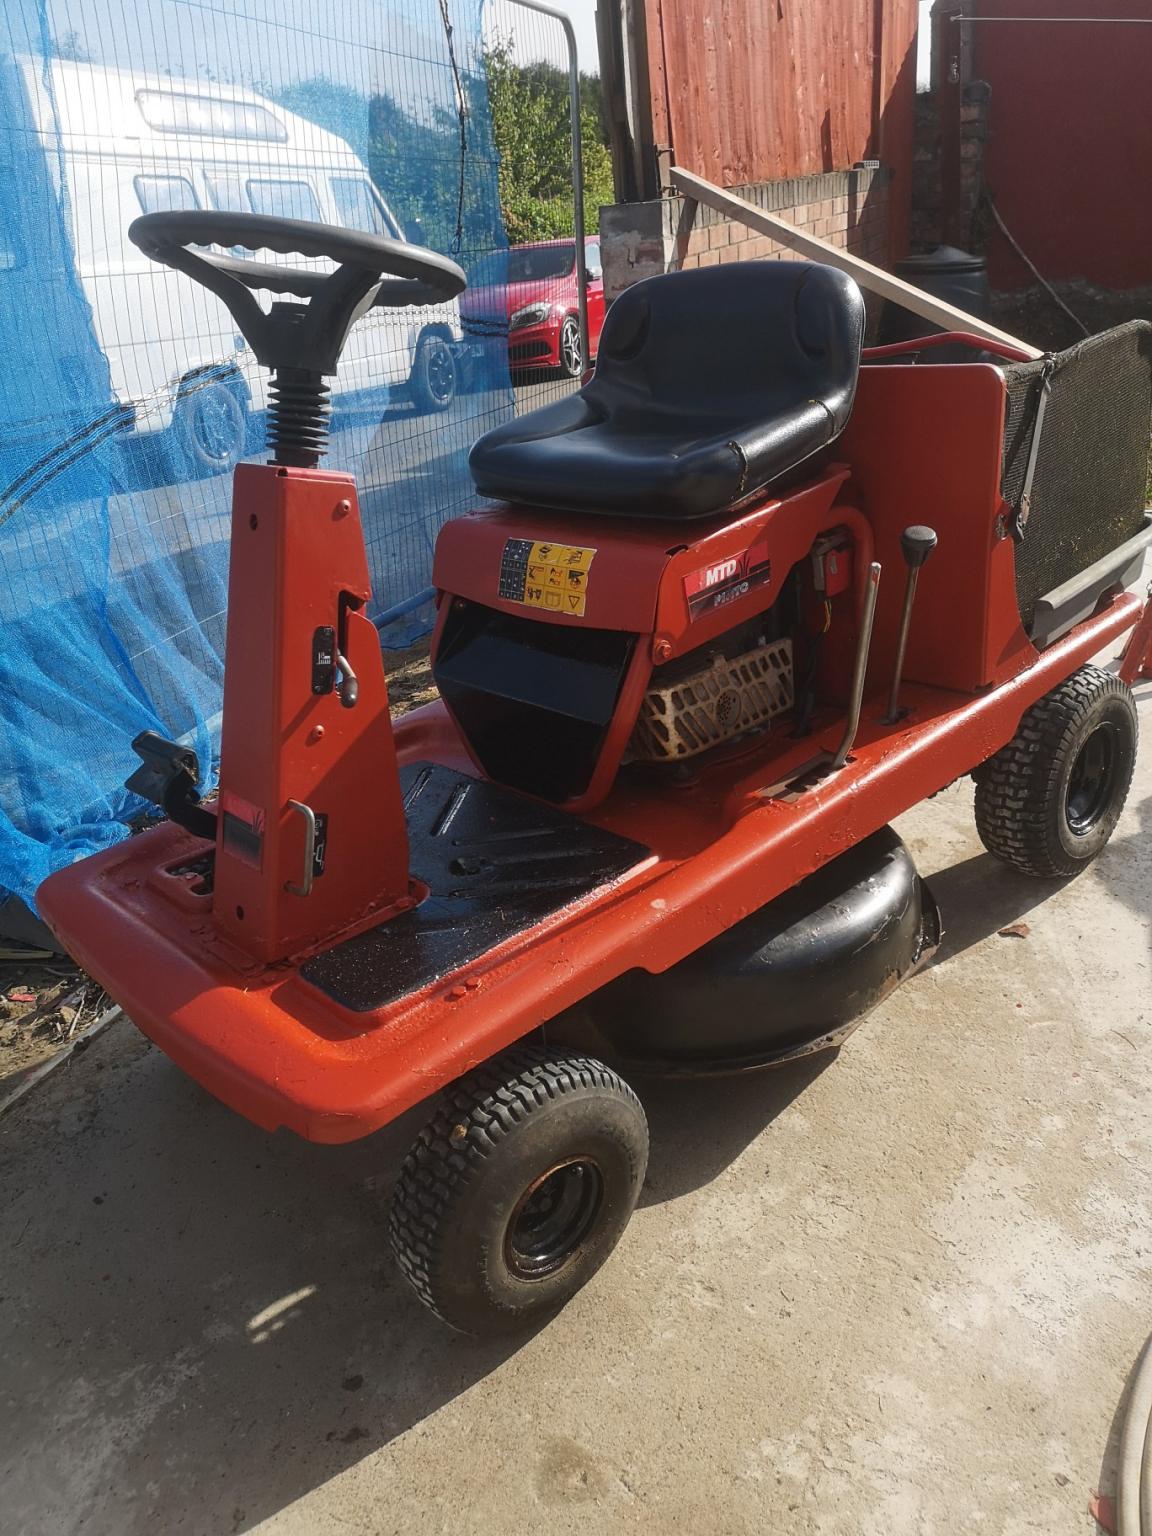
{"x":1089,"y":487}
{"x":527,"y":351}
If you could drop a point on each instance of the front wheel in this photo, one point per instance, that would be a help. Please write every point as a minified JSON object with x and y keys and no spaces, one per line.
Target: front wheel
{"x":571,"y":352}
{"x":1049,"y":801}
{"x":519,"y":1188}
{"x":433,"y":381}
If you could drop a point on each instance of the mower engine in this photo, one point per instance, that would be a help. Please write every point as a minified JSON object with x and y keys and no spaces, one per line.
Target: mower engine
{"x":725,"y":691}
{"x":569,"y":647}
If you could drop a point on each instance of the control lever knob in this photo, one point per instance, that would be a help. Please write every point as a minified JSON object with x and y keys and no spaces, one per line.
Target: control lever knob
{"x":916,"y":544}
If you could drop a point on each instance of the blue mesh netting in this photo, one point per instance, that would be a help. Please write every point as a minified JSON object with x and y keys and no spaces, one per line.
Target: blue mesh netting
{"x":126,"y":394}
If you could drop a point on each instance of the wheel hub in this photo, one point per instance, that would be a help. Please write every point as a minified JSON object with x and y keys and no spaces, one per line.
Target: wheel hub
{"x":553,"y":1217}
{"x":1090,"y":782}
{"x":570,"y":346}
{"x":215,"y":420}
{"x":440,"y":380}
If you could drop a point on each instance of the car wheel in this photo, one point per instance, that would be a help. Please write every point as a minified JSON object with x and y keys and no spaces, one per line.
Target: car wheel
{"x":571,"y":352}
{"x":210,"y":426}
{"x":433,"y":382}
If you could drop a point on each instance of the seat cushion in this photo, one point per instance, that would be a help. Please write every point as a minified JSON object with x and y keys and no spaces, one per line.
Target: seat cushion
{"x":709,"y":385}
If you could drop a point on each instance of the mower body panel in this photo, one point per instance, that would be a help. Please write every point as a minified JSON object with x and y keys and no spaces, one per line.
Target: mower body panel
{"x":925,"y":446}
{"x":282,"y":1052}
{"x":672,"y":588}
{"x":311,"y":834}
{"x":678,"y":585}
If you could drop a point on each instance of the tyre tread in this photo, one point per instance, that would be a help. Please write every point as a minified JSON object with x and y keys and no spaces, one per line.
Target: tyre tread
{"x":1014,"y":788}
{"x":475,"y":1114}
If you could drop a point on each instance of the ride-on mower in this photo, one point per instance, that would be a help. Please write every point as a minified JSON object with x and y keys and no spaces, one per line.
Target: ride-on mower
{"x":645,"y":825}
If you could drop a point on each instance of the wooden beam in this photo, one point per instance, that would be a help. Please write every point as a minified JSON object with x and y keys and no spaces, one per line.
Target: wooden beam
{"x":875,"y":279}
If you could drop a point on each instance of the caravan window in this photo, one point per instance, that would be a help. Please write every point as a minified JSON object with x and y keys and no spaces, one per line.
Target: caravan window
{"x":226,"y":192}
{"x":285,"y":200}
{"x":360,"y":207}
{"x":158,"y":194}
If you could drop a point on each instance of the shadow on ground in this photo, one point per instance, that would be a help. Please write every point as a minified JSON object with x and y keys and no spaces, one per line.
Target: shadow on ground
{"x":204,"y":1320}
{"x":201,"y":1322}
{"x":980,"y":896}
{"x":699,"y":1127}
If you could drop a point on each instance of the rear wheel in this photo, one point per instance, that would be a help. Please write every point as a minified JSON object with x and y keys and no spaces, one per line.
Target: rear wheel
{"x":433,"y":381}
{"x":519,"y":1188}
{"x":1048,"y":802}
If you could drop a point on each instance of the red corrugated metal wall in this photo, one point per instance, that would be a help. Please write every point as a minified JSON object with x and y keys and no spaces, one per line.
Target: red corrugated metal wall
{"x":1069,"y":152}
{"x":755,"y":90}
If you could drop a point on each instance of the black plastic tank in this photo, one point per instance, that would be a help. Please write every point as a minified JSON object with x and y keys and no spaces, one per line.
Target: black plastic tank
{"x":946,"y":273}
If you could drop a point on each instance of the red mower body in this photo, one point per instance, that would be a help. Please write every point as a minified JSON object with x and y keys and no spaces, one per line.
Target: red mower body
{"x":256,"y":1008}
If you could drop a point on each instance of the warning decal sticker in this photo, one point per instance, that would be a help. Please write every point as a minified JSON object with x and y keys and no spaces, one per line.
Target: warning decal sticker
{"x":725,"y":580}
{"x":543,"y":575}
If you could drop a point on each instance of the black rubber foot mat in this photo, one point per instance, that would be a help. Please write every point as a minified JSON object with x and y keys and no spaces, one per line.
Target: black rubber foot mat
{"x":495,"y":864}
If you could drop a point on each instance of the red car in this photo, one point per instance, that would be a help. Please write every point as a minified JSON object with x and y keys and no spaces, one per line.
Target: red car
{"x":538,"y":293}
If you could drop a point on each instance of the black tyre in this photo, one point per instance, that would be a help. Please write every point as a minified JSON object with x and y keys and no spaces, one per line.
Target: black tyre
{"x":1049,"y":801}
{"x":569,"y":348}
{"x":519,"y":1188}
{"x":210,"y":427}
{"x":433,"y":381}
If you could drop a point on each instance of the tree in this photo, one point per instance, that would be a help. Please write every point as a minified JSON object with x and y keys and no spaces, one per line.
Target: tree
{"x":441,"y":183}
{"x":531,"y":127}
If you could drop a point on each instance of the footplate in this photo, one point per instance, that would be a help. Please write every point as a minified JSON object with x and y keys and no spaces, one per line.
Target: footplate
{"x":495,"y":864}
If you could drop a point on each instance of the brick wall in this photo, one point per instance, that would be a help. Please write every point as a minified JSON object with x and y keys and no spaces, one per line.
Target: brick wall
{"x":847,"y":208}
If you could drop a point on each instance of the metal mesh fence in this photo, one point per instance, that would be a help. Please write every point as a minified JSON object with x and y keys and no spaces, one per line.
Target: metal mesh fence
{"x":128,"y":396}
{"x":528,"y":66}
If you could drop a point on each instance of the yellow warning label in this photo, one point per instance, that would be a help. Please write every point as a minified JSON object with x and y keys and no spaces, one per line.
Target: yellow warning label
{"x":544,"y":575}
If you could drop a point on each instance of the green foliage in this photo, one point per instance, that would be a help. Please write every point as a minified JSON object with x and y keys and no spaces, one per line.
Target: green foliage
{"x":531,"y":126}
{"x":416,"y":163}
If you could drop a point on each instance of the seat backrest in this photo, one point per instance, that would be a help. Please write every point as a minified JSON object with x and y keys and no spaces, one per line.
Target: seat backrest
{"x":735,"y":342}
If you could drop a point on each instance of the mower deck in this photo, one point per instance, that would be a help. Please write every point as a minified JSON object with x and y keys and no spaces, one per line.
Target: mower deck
{"x":339,"y":1041}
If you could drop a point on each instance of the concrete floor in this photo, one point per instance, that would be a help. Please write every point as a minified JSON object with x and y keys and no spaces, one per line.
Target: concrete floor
{"x":896,"y":1291}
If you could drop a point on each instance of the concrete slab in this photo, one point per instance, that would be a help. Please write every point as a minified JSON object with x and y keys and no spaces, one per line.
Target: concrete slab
{"x":896,"y":1291}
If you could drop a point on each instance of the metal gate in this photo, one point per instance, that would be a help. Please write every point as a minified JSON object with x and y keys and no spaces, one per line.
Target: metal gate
{"x":553,"y":285}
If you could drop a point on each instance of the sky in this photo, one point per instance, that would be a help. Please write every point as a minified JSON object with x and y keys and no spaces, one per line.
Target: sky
{"x":583,"y":14}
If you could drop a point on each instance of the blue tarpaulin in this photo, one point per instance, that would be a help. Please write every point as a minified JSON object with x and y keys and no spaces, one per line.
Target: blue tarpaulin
{"x":126,"y":395}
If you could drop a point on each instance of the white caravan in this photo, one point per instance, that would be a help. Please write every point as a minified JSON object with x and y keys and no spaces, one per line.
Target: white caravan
{"x":125,"y":143}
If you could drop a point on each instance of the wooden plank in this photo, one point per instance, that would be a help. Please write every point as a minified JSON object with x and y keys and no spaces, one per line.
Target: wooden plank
{"x":875,"y":279}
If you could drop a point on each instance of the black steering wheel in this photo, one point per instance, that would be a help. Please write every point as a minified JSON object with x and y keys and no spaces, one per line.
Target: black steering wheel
{"x":372,"y":270}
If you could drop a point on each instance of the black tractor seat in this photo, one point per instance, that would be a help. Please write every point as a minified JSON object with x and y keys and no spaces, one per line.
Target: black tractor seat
{"x":709,"y":385}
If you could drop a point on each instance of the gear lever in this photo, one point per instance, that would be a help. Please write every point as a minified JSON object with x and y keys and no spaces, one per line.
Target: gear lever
{"x":916,"y":544}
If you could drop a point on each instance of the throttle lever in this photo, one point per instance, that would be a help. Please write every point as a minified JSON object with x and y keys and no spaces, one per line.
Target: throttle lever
{"x":916,"y":544}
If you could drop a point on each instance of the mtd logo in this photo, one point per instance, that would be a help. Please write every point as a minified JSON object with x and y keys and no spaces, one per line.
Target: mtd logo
{"x":713,"y":586}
